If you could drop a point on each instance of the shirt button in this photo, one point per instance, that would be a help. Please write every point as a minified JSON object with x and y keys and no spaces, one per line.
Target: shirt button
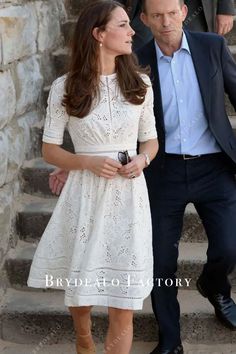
{"x":181,"y":101}
{"x":184,"y":140}
{"x":177,"y":81}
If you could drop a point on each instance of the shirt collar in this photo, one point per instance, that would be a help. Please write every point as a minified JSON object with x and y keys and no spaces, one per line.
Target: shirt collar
{"x":184,"y":46}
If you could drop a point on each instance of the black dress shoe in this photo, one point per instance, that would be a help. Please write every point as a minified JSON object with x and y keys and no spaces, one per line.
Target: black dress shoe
{"x":225,"y":307}
{"x":177,"y":350}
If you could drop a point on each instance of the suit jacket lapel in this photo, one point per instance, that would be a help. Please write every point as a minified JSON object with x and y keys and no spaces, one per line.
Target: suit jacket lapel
{"x":201,"y":61}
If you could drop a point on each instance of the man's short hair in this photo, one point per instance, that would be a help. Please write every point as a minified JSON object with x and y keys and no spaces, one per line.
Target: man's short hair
{"x":181,"y":2}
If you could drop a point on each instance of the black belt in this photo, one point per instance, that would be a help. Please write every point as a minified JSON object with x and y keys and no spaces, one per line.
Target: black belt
{"x":193,"y":157}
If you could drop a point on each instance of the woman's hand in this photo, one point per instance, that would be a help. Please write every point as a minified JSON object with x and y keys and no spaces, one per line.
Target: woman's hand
{"x":133,"y":168}
{"x":103,"y":166}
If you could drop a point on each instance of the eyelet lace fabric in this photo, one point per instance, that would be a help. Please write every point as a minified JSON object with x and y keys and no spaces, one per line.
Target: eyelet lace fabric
{"x":97,"y":245}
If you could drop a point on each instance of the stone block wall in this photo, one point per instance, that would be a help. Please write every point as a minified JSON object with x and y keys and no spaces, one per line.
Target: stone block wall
{"x":29,"y":33}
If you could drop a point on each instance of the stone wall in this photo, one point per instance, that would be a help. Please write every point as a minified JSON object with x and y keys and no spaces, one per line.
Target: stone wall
{"x":29,"y":33}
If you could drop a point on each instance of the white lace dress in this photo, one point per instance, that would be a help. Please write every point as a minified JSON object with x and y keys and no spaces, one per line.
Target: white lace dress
{"x":98,"y":243}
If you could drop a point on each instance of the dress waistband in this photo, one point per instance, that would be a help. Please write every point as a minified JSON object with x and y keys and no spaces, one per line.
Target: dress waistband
{"x":97,"y":150}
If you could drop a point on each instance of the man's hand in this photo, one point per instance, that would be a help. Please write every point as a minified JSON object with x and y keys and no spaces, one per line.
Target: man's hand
{"x":224,"y":24}
{"x":57,"y":179}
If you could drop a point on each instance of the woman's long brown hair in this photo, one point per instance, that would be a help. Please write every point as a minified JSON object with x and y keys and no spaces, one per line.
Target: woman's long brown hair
{"x":82,"y":83}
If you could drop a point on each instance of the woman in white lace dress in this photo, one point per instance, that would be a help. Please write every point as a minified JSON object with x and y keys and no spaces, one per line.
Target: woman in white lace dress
{"x":98,"y":243}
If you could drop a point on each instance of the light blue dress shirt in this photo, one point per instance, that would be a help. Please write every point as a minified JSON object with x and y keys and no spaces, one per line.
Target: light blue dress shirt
{"x":186,"y":126}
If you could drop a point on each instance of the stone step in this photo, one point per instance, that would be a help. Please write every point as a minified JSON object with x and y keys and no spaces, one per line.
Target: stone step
{"x":37,"y":133}
{"x":31,"y":317}
{"x":137,"y":348}
{"x":34,"y":177}
{"x":34,"y":213}
{"x":192,"y":257}
{"x":13,"y":348}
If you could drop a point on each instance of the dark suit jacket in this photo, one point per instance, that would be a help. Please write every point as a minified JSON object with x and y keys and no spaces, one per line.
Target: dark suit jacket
{"x":216,"y":73}
{"x":202,"y":13}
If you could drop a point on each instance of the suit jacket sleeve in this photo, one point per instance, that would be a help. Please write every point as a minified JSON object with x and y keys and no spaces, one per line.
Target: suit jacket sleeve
{"x":229,"y":73}
{"x":225,"y":7}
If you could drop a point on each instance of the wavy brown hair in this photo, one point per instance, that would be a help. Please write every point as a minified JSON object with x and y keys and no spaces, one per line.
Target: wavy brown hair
{"x":82,"y":83}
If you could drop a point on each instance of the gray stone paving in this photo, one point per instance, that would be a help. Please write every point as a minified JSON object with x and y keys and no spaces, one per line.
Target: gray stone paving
{"x":138,"y":348}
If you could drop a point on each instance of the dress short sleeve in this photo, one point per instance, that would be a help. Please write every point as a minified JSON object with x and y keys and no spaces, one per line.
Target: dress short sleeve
{"x":147,"y":122}
{"x":56,"y":117}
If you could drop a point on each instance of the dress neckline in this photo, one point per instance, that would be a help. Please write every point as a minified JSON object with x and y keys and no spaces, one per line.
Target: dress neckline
{"x":111,"y":76}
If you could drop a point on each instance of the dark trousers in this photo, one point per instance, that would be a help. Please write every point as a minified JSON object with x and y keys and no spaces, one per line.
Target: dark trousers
{"x":195,"y":20}
{"x":210,"y":185}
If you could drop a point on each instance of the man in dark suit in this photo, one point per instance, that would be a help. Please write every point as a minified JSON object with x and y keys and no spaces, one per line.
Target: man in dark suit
{"x":197,"y":156}
{"x":210,"y":15}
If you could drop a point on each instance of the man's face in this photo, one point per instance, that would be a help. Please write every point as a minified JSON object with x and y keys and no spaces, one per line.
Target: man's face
{"x":165,"y":19}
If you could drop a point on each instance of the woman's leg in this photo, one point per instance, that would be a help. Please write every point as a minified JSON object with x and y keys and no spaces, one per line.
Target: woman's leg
{"x":120,"y":331}
{"x":82,"y":324}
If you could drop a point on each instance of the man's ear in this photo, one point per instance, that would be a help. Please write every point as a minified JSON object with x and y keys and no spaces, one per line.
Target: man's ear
{"x":143,"y":18}
{"x":184,"y":12}
{"x":98,"y":34}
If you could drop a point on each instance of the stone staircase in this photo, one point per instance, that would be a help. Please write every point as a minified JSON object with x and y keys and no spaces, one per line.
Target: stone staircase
{"x":36,"y":321}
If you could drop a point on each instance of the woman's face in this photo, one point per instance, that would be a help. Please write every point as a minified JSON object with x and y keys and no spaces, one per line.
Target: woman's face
{"x":117,"y":37}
